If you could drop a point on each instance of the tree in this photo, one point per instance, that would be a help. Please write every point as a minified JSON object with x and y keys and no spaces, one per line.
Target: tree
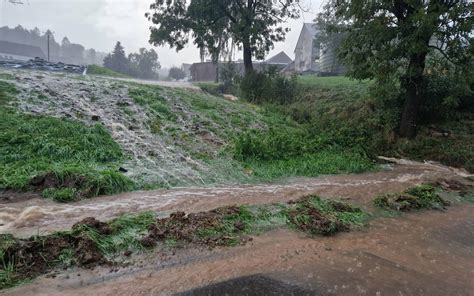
{"x":91,"y":56}
{"x":394,"y":38}
{"x":117,"y":60}
{"x":145,"y":64}
{"x":176,"y":73}
{"x":252,"y":25}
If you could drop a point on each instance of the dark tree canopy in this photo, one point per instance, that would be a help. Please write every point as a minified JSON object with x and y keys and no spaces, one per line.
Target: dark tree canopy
{"x":387,"y":38}
{"x":252,"y":25}
{"x":144,"y":64}
{"x":177,"y":73}
{"x":117,"y":60}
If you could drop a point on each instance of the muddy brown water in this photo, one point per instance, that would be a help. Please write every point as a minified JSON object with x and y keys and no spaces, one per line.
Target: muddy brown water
{"x":426,"y":253}
{"x":41,"y":216}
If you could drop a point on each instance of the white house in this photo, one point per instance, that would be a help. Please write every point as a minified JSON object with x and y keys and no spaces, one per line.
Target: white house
{"x":19,"y":52}
{"x":311,"y":57}
{"x":307,"y":51}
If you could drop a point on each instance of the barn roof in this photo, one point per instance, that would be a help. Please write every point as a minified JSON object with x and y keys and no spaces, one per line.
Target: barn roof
{"x":280,"y":58}
{"x":21,"y":49}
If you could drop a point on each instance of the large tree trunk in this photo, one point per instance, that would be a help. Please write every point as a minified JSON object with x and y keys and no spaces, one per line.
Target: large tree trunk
{"x":247,"y":55}
{"x":414,"y":85}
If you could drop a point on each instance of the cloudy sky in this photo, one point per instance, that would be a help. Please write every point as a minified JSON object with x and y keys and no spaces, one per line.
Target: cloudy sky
{"x":100,"y":23}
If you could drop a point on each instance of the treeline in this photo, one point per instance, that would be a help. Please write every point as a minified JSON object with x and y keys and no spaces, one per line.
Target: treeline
{"x":143,"y":64}
{"x":66,"y":51}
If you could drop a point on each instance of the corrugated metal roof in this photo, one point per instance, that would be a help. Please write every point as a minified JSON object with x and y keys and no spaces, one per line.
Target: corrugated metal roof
{"x":21,"y":49}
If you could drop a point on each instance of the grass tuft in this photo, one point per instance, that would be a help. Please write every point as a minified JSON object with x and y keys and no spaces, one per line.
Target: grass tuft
{"x":317,"y":216}
{"x":415,"y":198}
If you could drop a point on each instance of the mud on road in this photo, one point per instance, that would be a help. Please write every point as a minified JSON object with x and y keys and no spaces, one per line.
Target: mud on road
{"x":428,"y":253}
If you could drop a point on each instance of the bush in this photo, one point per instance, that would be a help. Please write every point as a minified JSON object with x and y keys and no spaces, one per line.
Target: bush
{"x":447,"y":93}
{"x":177,"y":73}
{"x":268,"y":86}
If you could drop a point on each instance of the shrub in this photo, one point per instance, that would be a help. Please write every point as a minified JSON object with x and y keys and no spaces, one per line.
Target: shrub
{"x":268,"y":86}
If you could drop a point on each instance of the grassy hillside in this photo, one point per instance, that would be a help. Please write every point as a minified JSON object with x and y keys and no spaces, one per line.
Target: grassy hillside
{"x":345,"y":112}
{"x":68,"y":137}
{"x":60,"y":158}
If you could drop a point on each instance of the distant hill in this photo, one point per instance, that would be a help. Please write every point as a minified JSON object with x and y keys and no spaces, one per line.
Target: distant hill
{"x":66,"y":52}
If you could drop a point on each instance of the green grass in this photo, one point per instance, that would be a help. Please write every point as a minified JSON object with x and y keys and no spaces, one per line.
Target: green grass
{"x":7,"y":76}
{"x":61,"y":194}
{"x":325,"y":162}
{"x":73,"y":159}
{"x":330,"y":83}
{"x":98,"y":70}
{"x":127,"y":232}
{"x":318,"y":216}
{"x":292,"y":151}
{"x":7,"y":275}
{"x":349,"y":114}
{"x":7,"y":92}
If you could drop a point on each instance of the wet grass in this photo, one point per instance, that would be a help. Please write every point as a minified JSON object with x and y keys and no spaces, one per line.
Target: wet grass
{"x":125,"y":234}
{"x":7,"y":92}
{"x":63,"y":159}
{"x":7,"y":76}
{"x":97,"y":70}
{"x":312,"y":165}
{"x":317,"y":216}
{"x":415,"y":198}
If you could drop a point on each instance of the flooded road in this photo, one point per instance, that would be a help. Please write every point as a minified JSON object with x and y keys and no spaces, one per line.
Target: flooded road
{"x":33,"y":216}
{"x":426,"y":253}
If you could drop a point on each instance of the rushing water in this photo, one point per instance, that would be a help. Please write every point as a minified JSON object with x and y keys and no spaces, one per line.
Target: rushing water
{"x":37,"y":215}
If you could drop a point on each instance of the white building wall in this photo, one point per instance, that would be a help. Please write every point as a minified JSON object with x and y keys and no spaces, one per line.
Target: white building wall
{"x":13,"y":57}
{"x":306,"y":54}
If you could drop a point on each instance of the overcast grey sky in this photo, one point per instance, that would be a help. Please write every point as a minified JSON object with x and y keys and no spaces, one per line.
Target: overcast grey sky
{"x":100,"y":23}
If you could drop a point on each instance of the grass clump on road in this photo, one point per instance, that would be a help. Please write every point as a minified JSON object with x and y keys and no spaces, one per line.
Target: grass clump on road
{"x":415,"y":198}
{"x":316,"y":216}
{"x":62,"y":159}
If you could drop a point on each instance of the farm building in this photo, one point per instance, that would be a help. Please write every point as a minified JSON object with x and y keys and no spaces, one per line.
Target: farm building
{"x":208,"y":71}
{"x":19,"y":52}
{"x":312,"y":57}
